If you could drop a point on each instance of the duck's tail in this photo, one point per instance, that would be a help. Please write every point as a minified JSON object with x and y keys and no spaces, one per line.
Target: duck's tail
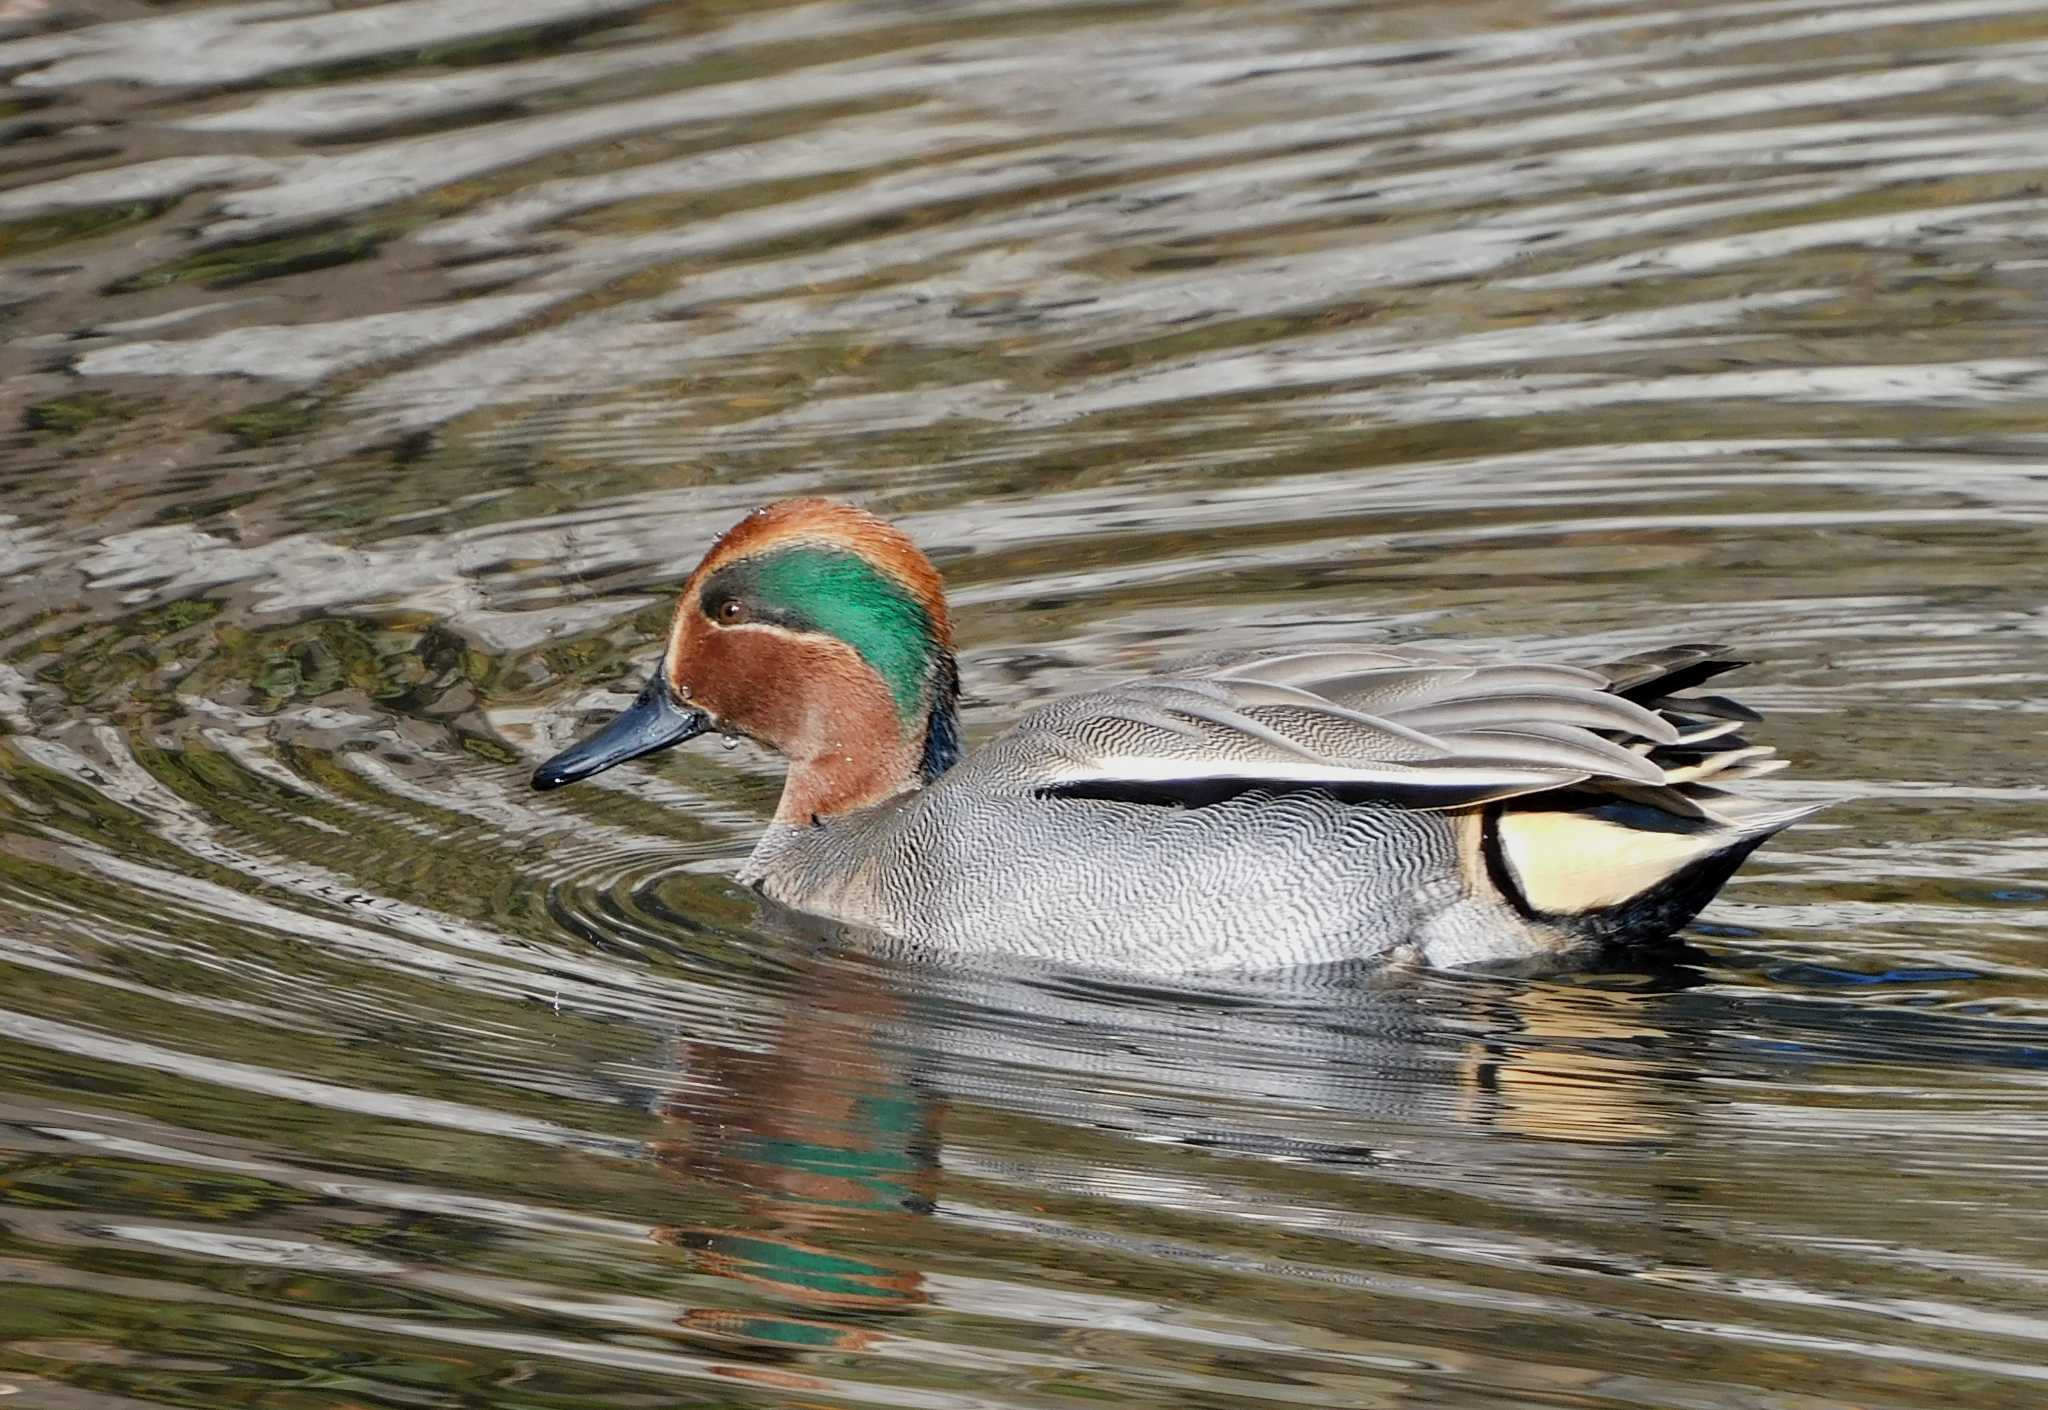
{"x":1621,"y":861}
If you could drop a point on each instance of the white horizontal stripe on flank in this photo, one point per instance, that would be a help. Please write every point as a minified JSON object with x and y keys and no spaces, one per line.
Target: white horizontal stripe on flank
{"x":1169,"y":770}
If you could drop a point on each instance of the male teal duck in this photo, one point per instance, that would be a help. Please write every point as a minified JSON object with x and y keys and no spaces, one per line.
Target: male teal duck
{"x":1251,"y":810}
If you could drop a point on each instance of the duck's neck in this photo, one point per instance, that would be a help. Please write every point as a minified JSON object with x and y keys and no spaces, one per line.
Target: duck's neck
{"x":861,"y":752}
{"x":942,"y":722}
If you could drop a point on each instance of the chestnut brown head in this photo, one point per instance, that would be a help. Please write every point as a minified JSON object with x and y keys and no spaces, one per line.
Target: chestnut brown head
{"x":818,"y":630}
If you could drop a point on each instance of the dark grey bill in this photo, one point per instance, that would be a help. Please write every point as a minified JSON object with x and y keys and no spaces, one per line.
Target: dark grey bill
{"x":653,"y":721}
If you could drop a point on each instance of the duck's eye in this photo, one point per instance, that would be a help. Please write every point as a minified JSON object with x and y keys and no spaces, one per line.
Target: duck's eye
{"x":732,"y":611}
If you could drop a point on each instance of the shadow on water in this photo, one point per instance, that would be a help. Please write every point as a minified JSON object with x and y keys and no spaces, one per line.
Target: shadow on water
{"x":373,"y":374}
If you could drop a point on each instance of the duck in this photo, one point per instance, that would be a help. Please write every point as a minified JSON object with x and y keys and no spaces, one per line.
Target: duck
{"x":1273,"y":808}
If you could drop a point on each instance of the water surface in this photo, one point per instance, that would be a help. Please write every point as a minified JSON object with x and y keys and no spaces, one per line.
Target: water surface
{"x":374,"y":374}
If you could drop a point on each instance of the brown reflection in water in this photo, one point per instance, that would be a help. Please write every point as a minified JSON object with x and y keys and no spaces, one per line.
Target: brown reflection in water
{"x":1568,"y":1075}
{"x":823,"y":1135}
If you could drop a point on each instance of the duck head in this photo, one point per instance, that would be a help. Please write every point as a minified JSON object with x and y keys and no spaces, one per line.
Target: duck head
{"x":818,"y":630}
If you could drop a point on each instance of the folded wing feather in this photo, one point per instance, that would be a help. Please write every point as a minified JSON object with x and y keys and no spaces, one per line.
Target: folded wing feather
{"x":1413,"y":727}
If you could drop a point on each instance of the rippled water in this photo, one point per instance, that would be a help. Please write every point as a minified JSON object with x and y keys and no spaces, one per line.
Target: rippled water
{"x":375,"y":373}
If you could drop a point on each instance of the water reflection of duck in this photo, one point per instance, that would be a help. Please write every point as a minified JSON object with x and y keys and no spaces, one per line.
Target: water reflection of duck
{"x":884,"y":1080}
{"x":821,"y":1135}
{"x":1252,"y":810}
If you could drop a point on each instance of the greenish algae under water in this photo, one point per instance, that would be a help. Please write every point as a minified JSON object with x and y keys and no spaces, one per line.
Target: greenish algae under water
{"x":375,"y":375}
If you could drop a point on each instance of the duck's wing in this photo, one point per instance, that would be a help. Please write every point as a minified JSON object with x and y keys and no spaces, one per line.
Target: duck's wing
{"x":1403,"y":725}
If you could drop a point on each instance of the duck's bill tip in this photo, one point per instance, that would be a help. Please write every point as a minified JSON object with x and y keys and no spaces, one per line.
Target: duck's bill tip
{"x":652,"y":722}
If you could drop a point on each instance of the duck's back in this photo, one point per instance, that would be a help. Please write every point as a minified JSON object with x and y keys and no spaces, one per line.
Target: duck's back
{"x":1295,"y":807}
